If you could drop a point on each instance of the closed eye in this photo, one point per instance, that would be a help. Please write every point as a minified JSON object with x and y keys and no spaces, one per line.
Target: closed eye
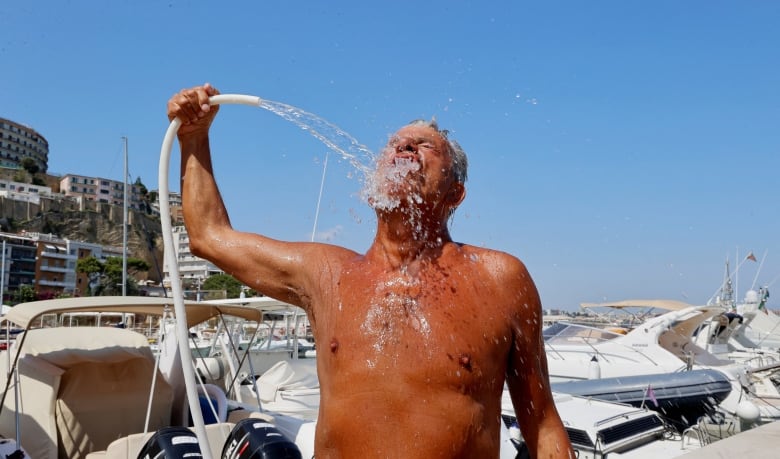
{"x":429,"y":147}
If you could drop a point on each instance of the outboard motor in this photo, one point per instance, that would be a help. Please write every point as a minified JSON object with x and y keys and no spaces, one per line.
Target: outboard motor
{"x":257,"y":439}
{"x":171,"y":443}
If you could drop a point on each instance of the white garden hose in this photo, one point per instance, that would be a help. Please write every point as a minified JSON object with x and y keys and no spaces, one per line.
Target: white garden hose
{"x":182,"y":331}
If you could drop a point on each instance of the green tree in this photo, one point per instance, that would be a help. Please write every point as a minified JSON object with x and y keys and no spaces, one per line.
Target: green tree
{"x":24,"y":294}
{"x":226,"y":282}
{"x":93,"y":268}
{"x":142,"y":190}
{"x":106,"y":278}
{"x":30,"y":166}
{"x":144,"y":195}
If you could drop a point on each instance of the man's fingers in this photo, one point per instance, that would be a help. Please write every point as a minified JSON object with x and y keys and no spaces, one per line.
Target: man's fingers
{"x":190,"y":105}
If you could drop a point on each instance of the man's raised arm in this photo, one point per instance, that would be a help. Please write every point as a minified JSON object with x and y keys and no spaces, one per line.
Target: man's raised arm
{"x":282,"y":270}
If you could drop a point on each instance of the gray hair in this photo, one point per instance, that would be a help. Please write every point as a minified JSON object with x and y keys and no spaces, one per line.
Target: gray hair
{"x":460,"y":163}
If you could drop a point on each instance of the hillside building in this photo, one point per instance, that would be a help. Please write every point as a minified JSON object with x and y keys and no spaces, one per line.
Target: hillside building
{"x":82,"y":187}
{"x":18,"y":142}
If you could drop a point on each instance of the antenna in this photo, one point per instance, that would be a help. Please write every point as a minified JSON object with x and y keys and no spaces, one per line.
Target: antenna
{"x":319,"y":198}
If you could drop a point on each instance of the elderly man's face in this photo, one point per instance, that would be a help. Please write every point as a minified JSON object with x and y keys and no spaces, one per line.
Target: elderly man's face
{"x":414,"y":167}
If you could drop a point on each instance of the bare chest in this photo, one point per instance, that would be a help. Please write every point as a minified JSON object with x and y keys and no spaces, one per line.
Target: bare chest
{"x":430,"y":325}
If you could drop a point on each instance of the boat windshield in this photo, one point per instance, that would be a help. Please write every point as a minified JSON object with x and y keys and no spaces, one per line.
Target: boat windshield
{"x":563,"y":333}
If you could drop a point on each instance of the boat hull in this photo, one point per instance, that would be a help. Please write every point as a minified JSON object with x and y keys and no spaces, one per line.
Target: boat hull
{"x":682,"y":398}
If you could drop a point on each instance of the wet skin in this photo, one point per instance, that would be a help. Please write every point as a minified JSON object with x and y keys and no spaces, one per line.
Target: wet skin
{"x":416,"y":337}
{"x":415,"y":362}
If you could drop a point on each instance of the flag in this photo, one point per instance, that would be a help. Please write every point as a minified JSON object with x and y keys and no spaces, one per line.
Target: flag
{"x":651,"y":395}
{"x":751,"y":257}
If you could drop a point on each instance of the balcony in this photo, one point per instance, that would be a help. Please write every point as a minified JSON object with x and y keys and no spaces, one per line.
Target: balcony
{"x":55,"y":269}
{"x":50,"y":283}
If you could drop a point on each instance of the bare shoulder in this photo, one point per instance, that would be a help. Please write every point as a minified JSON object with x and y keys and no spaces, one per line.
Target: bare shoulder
{"x":503,"y":266}
{"x":511,"y":283}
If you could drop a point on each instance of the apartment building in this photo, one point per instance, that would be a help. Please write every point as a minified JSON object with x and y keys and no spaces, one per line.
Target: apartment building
{"x":82,"y":187}
{"x":17,"y":263}
{"x":47,"y":263}
{"x":18,"y":142}
{"x":174,"y":203}
{"x":192,"y":270}
{"x":23,"y":191}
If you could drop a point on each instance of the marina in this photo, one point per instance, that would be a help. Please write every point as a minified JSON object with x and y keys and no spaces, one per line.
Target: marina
{"x":615,"y":152}
{"x":671,"y":413}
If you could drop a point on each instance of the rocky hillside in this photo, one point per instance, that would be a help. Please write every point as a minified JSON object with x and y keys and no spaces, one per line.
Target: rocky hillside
{"x":90,"y":222}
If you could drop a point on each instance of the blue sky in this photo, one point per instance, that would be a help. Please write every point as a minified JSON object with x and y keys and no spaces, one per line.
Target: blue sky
{"x":622,"y":149}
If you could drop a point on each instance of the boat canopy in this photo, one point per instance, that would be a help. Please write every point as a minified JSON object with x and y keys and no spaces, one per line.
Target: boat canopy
{"x":669,"y":305}
{"x":25,"y":314}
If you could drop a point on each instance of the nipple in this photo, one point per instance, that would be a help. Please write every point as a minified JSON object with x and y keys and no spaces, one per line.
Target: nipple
{"x":334,"y":345}
{"x":465,"y":361}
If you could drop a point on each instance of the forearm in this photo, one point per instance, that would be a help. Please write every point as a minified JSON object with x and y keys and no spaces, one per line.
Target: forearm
{"x":202,"y":204}
{"x":554,"y":443}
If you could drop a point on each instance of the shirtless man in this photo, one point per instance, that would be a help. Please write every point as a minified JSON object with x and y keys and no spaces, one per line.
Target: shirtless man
{"x":416,"y":338}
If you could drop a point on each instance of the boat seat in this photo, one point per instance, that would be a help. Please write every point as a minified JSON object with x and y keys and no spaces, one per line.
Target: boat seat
{"x":128,"y":447}
{"x":91,"y":385}
{"x":212,"y":398}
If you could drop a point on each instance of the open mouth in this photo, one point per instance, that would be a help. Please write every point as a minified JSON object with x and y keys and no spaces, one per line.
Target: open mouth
{"x":402,"y":166}
{"x":405,"y":157}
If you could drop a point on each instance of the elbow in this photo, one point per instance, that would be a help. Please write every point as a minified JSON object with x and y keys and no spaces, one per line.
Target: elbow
{"x":200,"y":245}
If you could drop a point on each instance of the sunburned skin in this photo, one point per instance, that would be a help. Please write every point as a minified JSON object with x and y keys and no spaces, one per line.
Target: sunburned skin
{"x":411,"y":347}
{"x":419,"y":334}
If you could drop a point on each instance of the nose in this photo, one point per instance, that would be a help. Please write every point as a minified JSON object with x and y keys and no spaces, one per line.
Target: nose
{"x":405,"y":146}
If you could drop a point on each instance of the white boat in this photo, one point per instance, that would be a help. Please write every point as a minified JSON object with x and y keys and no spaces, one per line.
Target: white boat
{"x":745,"y":328}
{"x":99,"y":392}
{"x":662,"y":344}
{"x":757,"y":327}
{"x":269,"y":341}
{"x":763,"y":327}
{"x":599,"y":429}
{"x":682,"y":397}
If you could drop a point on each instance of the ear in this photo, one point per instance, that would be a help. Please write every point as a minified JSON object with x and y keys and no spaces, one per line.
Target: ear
{"x":456,"y":195}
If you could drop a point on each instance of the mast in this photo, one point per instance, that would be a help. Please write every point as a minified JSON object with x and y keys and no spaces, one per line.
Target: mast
{"x":2,"y":279}
{"x":319,"y":198}
{"x":727,"y":291}
{"x":124,"y":228}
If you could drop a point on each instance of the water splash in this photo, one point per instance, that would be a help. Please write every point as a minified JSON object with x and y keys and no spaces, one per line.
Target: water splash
{"x":335,"y":138}
{"x":397,"y":313}
{"x":375,"y":184}
{"x":378,"y":186}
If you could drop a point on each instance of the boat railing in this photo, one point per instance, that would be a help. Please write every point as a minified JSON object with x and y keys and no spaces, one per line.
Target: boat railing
{"x":769,"y":366}
{"x":694,"y":433}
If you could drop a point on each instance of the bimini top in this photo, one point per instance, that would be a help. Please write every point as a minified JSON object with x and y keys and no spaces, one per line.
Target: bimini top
{"x":24,"y":314}
{"x":669,"y":305}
